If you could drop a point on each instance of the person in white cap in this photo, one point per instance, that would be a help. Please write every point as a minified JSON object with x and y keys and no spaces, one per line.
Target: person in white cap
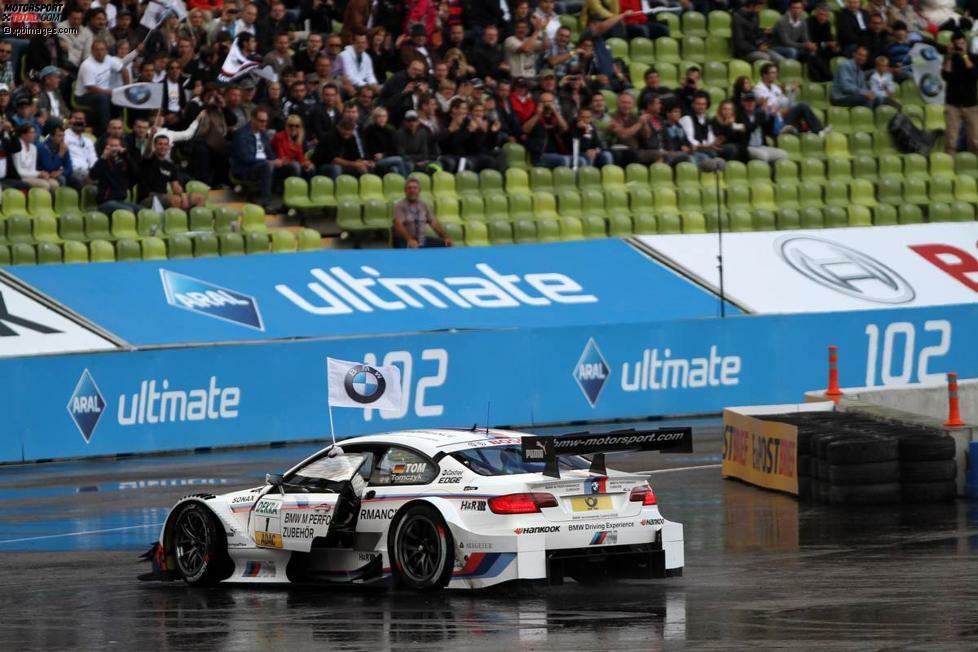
{"x":51,"y":106}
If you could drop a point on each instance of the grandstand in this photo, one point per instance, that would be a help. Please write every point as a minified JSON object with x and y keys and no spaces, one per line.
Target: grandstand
{"x":851,"y":174}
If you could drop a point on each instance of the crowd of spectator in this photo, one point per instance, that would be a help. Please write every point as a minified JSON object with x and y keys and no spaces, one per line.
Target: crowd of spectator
{"x":418,"y":85}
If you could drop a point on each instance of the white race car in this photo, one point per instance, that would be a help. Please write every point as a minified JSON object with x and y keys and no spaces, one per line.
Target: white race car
{"x":434,"y":509}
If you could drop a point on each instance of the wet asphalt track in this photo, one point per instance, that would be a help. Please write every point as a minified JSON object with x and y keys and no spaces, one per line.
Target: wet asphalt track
{"x":762,"y":572}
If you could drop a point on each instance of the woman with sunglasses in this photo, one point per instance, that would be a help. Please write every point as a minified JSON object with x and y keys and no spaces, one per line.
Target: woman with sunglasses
{"x":289,"y":145}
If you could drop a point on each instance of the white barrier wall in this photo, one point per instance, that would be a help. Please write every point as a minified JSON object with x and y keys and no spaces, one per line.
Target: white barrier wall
{"x":928,"y":399}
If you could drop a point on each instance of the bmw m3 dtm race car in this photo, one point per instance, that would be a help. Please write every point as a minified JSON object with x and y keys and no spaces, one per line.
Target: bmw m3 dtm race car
{"x":434,"y":509}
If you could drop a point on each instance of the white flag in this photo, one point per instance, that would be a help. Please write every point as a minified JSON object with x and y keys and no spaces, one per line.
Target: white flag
{"x":357,"y":385}
{"x":157,"y":11}
{"x":157,"y":205}
{"x":237,"y":65}
{"x":927,"y":63}
{"x":143,"y":95}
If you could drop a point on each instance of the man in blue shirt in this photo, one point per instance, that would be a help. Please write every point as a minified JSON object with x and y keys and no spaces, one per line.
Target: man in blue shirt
{"x":849,"y":84}
{"x":252,"y":157}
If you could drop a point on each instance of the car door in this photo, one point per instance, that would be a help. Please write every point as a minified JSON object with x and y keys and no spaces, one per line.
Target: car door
{"x":293,"y":514}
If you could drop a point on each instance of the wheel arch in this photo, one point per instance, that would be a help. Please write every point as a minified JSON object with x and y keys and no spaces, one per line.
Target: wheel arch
{"x":166,"y":536}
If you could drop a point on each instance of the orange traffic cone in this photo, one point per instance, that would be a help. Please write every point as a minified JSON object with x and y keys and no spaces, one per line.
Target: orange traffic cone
{"x":833,"y":392}
{"x":953,"y":406}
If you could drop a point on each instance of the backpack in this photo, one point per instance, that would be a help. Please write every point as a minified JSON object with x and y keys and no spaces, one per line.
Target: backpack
{"x":908,"y":138}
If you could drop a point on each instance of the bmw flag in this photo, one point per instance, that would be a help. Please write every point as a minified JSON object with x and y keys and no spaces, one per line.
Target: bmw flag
{"x":138,"y":96}
{"x":357,"y":385}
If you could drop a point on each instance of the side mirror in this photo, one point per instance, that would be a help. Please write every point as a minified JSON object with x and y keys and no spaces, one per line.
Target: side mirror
{"x":274,"y":479}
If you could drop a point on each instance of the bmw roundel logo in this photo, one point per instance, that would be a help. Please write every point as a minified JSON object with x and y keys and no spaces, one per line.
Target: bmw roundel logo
{"x":364,"y":384}
{"x":931,"y":85}
{"x":929,"y":54}
{"x":138,"y":94}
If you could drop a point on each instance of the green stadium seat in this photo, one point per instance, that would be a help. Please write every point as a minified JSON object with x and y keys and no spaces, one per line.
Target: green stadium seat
{"x":861,"y":144}
{"x":309,"y":240}
{"x":66,"y":201}
{"x":941,"y":165}
{"x":838,"y":118}
{"x":101,"y":251}
{"x":619,"y":226}
{"x":541,"y":180}
{"x":882,"y":116}
{"x":693,"y":24}
{"x":915,"y":191}
{"x":127,"y":250}
{"x":861,"y":120}
{"x":910,"y":214}
{"x":501,"y":232}
{"x":838,"y":168}
{"x":96,"y":226}
{"x":517,"y":182}
{"x":372,"y":187}
{"x":23,"y":254}
{"x":738,"y":198}
{"x":719,"y":23}
{"x":636,"y":73}
{"x":815,"y":95}
{"x":660,"y":174}
{"x":885,"y":214}
{"x":589,"y":178}
{"x":715,"y":74}
{"x":447,"y":209}
{"x":348,"y":188}
{"x":791,"y":144}
{"x":179,"y":246}
{"x":762,"y":196}
{"x":174,"y":221}
{"x":521,"y":207}
{"x":763,"y":220}
{"x":758,"y":171}
{"x":672,"y":21}
{"x":296,"y":194}
{"x":862,"y":193}
{"x":687,"y":174}
{"x":939,"y":212}
{"x":282,"y":240}
{"x":524,"y":231}
{"x":322,"y":194}
{"x":740,"y":220}
{"x":693,"y":222}
{"x":962,"y":212}
{"x":640,"y":201}
{"x":155,"y":248}
{"x":230,"y":244}
{"x":812,"y":146}
{"x":966,"y":164}
{"x":836,"y":144}
{"x":39,"y":203}
{"x":864,"y":167}
{"x":790,"y":72}
{"x":812,"y":218}
{"x":393,"y":187}
{"x":473,"y":209}
{"x":442,"y":186}
{"x":642,"y":50}
{"x":836,"y":193}
{"x":717,"y":48}
{"x":642,"y":223}
{"x":515,"y":158}
{"x":736,"y":68}
{"x":89,"y":202}
{"x":909,"y":95}
{"x":497,"y":207}
{"x":490,"y":181}
{"x":859,"y":216}
{"x":544,"y":206}
{"x":376,"y":214}
{"x":568,"y":203}
{"x":769,"y":18}
{"x":14,"y":202}
{"x":206,"y":245}
{"x":256,"y":242}
{"x":618,"y":47}
{"x":889,"y":190}
{"x":48,"y":253}
{"x":809,"y":195}
{"x":201,"y":219}
{"x":666,"y":50}
{"x":548,"y":230}
{"x":456,"y":232}
{"x":835,"y":216}
{"x":786,"y":194}
{"x":966,"y":189}
{"x":571,"y":228}
{"x":915,"y":167}
{"x":788,"y":218}
{"x":253,"y":217}
{"x":734,"y":173}
{"x":467,"y":183}
{"x":45,"y":229}
{"x":665,"y":200}
{"x":891,"y":165}
{"x":689,"y":199}
{"x":668,"y":223}
{"x":71,"y":226}
{"x":124,"y":225}
{"x":148,"y":223}
{"x":694,"y":48}
{"x":636,"y":174}
{"x":785,"y":170}
{"x":941,"y":188}
{"x":198,"y":187}
{"x":612,"y":178}
{"x":75,"y":252}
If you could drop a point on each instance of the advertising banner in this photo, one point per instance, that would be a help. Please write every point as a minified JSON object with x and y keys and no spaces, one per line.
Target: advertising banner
{"x":29,"y":326}
{"x":761,"y":452}
{"x":150,"y":400}
{"x":336,"y":293}
{"x":834,"y":269}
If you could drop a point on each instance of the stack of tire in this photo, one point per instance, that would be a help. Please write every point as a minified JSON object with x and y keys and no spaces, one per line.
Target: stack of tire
{"x":847,"y":459}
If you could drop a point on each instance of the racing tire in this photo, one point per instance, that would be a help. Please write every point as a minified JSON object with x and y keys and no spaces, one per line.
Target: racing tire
{"x":924,"y":448}
{"x":200,"y":546}
{"x":865,"y":494}
{"x":421,"y":549}
{"x":929,"y":492}
{"x":869,"y":473}
{"x":805,"y":487}
{"x":862,"y":450}
{"x":805,"y":465}
{"x":820,"y":491}
{"x":935,"y":471}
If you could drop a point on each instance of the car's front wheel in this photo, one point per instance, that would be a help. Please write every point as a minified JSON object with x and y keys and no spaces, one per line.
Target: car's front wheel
{"x":421,"y":549}
{"x":199,"y":546}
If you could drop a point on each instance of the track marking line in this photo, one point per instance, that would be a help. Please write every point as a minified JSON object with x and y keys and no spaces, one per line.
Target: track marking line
{"x":681,"y":468}
{"x":82,"y":533}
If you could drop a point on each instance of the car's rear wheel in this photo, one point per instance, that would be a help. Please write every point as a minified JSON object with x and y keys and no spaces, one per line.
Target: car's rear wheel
{"x":199,"y":546}
{"x":421,"y":549}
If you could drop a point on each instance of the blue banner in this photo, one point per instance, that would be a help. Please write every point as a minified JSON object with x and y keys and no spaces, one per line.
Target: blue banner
{"x":152,"y":400}
{"x":333,"y":293}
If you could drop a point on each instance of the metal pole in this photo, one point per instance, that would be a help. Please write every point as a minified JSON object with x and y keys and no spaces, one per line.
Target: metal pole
{"x":723,"y":301}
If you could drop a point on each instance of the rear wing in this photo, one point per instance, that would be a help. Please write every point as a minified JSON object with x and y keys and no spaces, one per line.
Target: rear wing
{"x":548,"y":449}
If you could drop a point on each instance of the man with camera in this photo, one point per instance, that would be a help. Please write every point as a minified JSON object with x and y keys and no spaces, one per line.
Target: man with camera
{"x":114,"y":173}
{"x":960,"y":74}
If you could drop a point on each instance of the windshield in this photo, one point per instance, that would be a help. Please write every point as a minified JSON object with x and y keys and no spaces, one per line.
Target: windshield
{"x":508,"y":460}
{"x":323,"y":472}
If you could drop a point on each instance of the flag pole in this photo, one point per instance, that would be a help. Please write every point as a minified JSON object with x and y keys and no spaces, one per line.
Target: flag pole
{"x":332,"y":433}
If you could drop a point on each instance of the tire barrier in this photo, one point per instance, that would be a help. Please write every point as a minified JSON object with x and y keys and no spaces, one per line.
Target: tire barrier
{"x":853,"y":459}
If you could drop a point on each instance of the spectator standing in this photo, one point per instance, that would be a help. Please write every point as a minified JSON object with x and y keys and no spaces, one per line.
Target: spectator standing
{"x":75,"y":39}
{"x":562,"y":55}
{"x":93,"y":87}
{"x":411,"y":217}
{"x":749,"y":40}
{"x":960,"y":74}
{"x":850,"y":24}
{"x":522,"y":49}
{"x":288,"y":145}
